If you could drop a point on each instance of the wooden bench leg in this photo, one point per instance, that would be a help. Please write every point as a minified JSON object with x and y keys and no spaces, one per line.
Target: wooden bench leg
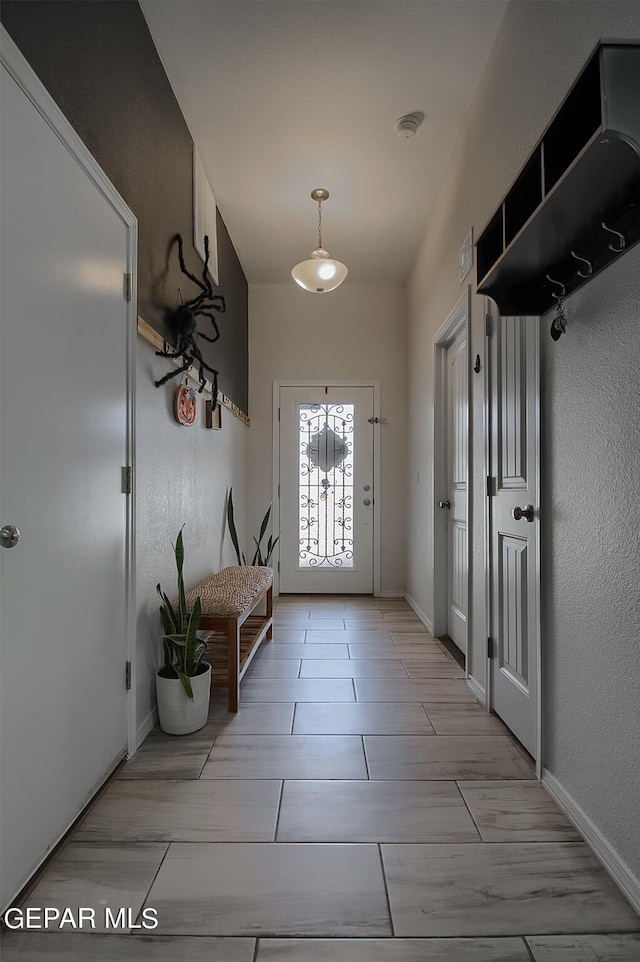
{"x":269,"y":634}
{"x":233,"y":638}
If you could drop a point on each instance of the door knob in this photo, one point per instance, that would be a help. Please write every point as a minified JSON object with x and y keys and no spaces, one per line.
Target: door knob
{"x":519,"y":513}
{"x":366,"y":501}
{"x":9,"y":536}
{"x":445,"y":504}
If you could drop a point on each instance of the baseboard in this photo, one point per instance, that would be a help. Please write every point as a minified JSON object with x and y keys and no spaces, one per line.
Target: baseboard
{"x":606,"y":855}
{"x":390,"y":593}
{"x":420,"y":613}
{"x":147,"y":725}
{"x":477,"y":690}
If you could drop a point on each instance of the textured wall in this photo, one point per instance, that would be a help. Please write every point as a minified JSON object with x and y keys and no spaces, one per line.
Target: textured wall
{"x":354,"y":333}
{"x":589,"y":386}
{"x":183,"y":477}
{"x":591,"y":570}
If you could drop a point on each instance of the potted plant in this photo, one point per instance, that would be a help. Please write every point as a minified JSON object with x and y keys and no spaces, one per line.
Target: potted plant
{"x":183,"y":683}
{"x":260,"y":559}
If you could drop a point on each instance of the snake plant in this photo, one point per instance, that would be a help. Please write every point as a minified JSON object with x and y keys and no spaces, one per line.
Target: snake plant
{"x":258,"y":558}
{"x":182,"y":650}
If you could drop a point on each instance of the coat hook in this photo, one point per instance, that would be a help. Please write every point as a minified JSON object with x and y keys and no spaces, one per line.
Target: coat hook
{"x":563,"y":291}
{"x":584,"y":261}
{"x":621,"y":238}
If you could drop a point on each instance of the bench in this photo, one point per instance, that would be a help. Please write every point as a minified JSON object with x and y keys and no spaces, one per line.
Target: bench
{"x":230,"y":626}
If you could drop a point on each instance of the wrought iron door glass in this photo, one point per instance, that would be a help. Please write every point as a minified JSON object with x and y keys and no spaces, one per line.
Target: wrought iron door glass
{"x":325,"y":491}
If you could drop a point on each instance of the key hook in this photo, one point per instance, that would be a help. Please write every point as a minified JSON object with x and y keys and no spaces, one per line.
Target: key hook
{"x":559,"y":322}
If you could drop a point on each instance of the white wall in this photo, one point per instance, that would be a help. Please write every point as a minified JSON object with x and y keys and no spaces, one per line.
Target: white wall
{"x":183,"y":475}
{"x":591,"y":619}
{"x":351,"y":333}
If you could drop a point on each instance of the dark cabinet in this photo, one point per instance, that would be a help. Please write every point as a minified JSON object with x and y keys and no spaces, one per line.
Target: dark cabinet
{"x":575,"y":206}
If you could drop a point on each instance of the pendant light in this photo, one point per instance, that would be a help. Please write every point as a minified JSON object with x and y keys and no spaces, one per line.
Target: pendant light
{"x":320,"y":273}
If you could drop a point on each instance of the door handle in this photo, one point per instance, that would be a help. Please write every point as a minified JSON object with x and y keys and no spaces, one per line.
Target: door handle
{"x":519,"y":513}
{"x":9,"y":536}
{"x":445,"y":504}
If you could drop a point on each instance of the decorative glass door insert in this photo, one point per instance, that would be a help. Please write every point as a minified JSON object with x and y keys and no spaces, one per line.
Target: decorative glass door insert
{"x":325,"y":487}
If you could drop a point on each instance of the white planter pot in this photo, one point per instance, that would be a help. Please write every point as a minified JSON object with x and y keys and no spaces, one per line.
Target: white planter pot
{"x":179,"y":714}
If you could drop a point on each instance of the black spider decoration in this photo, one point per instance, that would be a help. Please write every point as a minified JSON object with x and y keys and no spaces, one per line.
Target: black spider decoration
{"x":183,"y":322}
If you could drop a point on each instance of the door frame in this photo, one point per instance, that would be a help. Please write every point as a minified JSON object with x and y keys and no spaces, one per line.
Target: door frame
{"x":275,"y":495}
{"x":492,"y":313}
{"x":21,"y":71}
{"x":457,"y":321}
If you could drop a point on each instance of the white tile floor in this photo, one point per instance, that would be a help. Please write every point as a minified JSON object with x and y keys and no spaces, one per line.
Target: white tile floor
{"x":360,"y":807}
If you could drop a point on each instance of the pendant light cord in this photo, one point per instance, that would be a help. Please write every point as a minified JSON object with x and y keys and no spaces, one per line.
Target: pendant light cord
{"x":320,"y":224}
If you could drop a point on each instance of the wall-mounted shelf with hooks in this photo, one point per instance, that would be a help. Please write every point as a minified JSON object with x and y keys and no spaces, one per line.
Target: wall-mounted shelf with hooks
{"x":575,"y":206}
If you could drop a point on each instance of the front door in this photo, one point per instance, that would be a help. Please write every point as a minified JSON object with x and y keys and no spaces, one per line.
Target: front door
{"x":515,"y":525}
{"x":65,"y":253}
{"x":326,"y":489}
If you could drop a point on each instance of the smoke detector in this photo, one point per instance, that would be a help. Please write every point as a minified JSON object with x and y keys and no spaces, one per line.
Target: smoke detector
{"x":407,"y":126}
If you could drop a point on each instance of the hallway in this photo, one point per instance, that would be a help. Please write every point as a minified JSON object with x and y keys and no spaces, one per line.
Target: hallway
{"x":360,"y":807}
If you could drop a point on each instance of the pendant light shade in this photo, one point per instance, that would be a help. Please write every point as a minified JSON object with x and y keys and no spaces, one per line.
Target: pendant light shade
{"x":319,"y":273}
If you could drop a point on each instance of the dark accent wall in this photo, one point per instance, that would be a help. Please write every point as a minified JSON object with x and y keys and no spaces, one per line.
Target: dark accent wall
{"x":98,"y":61}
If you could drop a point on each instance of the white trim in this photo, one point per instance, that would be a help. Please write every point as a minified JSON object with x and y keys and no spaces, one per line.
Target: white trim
{"x":477,"y":690}
{"x":426,"y":621}
{"x":27,"y":80}
{"x":537,"y":600}
{"x":457,"y":322}
{"x":601,"y":848}
{"x":489,"y":312}
{"x":298,"y":382}
{"x":145,"y":727}
{"x":391,"y":594}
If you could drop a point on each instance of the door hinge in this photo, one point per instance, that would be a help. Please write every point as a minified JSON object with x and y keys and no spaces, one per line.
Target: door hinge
{"x":127,"y":675}
{"x":278,"y":490}
{"x":487,"y":325}
{"x":489,"y":486}
{"x":127,"y":479}
{"x":127,"y":287}
{"x":278,"y":414}
{"x":278,"y":567}
{"x":490,"y":648}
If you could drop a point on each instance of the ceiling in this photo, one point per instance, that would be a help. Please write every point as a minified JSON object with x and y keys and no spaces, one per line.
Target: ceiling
{"x":282,"y":96}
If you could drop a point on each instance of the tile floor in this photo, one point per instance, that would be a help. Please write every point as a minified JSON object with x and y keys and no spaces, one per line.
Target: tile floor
{"x":360,"y":807}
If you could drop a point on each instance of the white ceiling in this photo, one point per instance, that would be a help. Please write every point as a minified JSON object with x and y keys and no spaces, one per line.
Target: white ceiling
{"x":282,"y":96}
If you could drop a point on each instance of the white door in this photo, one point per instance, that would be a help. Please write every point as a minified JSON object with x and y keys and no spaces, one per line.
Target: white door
{"x":63,"y":433}
{"x":457,"y":470}
{"x":515,"y":525}
{"x":326,"y":489}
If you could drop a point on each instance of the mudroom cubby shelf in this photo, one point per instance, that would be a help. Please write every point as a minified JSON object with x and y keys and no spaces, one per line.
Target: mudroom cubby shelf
{"x":575,"y":206}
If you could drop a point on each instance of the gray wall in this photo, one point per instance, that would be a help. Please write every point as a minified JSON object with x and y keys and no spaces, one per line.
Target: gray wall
{"x":99,"y":63}
{"x":591,"y":559}
{"x":590,"y":460}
